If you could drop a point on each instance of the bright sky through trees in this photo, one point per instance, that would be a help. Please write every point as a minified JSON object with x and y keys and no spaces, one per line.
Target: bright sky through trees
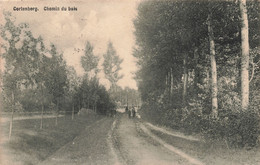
{"x":95,"y":21}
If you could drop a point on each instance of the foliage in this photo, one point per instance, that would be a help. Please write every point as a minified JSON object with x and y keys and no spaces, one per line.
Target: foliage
{"x":40,"y":79}
{"x":112,"y":64}
{"x":167,"y":33}
{"x":89,"y":61}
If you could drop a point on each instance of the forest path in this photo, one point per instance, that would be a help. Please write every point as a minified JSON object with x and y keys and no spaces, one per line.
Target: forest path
{"x":135,"y":144}
{"x":100,"y":140}
{"x":119,"y":140}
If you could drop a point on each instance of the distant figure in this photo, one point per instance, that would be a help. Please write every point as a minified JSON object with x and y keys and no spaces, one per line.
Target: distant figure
{"x":129,"y":113}
{"x":114,"y":113}
{"x":126,"y":109}
{"x":133,"y":110}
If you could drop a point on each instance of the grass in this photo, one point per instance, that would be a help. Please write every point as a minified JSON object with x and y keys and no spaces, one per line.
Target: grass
{"x":214,"y":152}
{"x":31,"y":145}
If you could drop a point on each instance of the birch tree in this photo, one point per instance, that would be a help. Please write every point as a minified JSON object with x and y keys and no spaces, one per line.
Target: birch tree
{"x":214,"y":86}
{"x":244,"y":55}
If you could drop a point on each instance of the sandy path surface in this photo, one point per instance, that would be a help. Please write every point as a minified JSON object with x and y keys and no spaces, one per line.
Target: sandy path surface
{"x":116,"y":141}
{"x":134,"y":146}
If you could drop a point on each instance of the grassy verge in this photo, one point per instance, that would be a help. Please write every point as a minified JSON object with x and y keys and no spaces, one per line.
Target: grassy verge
{"x":214,"y":152}
{"x":30,"y":145}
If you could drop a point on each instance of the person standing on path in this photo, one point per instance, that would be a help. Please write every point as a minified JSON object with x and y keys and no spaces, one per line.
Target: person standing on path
{"x":129,"y":113}
{"x":133,"y":110}
{"x":126,"y":109}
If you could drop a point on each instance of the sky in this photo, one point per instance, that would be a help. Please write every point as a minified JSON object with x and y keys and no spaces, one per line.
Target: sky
{"x":97,"y":21}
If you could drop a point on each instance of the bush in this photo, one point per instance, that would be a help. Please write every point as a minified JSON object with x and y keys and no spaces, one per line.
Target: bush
{"x":191,"y":120}
{"x":239,"y":129}
{"x":243,"y":128}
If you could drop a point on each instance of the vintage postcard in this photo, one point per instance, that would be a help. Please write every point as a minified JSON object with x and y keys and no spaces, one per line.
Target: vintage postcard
{"x":136,"y":82}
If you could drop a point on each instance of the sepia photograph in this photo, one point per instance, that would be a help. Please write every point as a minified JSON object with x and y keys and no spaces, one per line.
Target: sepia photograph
{"x":129,"y":82}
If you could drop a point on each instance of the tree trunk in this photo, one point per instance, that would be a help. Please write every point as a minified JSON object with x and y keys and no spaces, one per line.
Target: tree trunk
{"x":171,"y":87}
{"x":166,"y":84}
{"x":88,"y":101}
{"x":42,"y":108}
{"x":169,"y":84}
{"x":185,"y":79}
{"x":244,"y":55}
{"x":196,"y":71}
{"x":42,"y":114}
{"x":73,"y":109}
{"x":214,"y":87}
{"x":57,"y":113}
{"x":166,"y":81}
{"x":79,"y":105}
{"x":126,"y":98}
{"x":96,"y":106}
{"x":120,"y":97}
{"x":84,"y":101}
{"x":12,"y":117}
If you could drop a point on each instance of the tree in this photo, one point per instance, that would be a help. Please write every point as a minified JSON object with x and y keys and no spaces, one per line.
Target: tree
{"x":111,"y":66}
{"x":12,"y":74}
{"x":244,"y":55}
{"x":73,"y":84}
{"x":56,"y":80}
{"x":214,"y":86}
{"x":193,"y":46}
{"x":26,"y":67}
{"x":89,"y":61}
{"x":33,"y":48}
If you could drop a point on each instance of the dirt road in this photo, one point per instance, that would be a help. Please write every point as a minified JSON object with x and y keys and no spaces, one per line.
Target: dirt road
{"x":136,"y":145}
{"x":100,"y":140}
{"x":118,"y":140}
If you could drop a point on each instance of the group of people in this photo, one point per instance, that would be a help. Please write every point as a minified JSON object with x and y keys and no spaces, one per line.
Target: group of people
{"x":131,"y":112}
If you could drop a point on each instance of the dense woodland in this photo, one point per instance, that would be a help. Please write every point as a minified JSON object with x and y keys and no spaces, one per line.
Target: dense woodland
{"x":199,"y":67}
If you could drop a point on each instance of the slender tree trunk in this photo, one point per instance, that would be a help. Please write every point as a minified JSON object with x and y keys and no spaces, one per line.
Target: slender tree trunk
{"x":42,"y":106}
{"x":88,"y":101}
{"x":166,"y":80}
{"x":120,"y":97}
{"x":42,"y":115}
{"x":169,"y":84}
{"x":57,"y":113}
{"x":12,"y":117}
{"x":185,"y":79}
{"x":196,"y":71}
{"x":73,"y":110}
{"x":171,"y":88}
{"x":84,"y":101}
{"x":244,"y":55}
{"x":96,"y":106}
{"x":166,"y":84}
{"x":214,"y":87}
{"x":79,"y":105}
{"x":126,"y":98}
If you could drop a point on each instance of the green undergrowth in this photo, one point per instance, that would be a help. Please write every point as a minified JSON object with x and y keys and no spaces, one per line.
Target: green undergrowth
{"x":236,"y":129}
{"x":212,"y":152}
